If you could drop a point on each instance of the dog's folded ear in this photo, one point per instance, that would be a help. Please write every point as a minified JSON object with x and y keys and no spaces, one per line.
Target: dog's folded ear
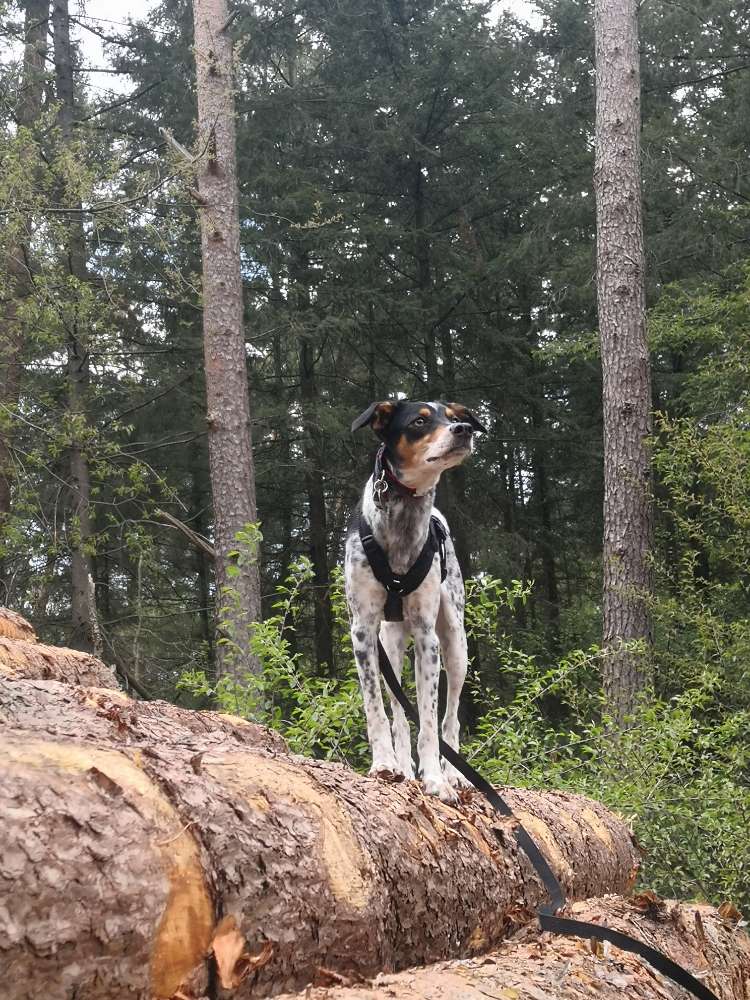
{"x":377,"y":415}
{"x":466,"y":416}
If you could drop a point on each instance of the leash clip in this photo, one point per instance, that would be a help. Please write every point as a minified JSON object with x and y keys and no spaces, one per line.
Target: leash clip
{"x":379,"y":488}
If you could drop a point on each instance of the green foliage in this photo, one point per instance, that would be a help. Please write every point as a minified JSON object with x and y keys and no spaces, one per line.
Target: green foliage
{"x":317,"y":716}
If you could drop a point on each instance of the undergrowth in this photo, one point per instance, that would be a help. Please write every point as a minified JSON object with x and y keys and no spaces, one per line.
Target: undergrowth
{"x":678,"y":773}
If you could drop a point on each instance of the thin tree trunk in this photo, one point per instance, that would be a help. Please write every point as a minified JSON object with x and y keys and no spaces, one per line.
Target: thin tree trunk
{"x":17,"y":258}
{"x":424,"y":283}
{"x":85,"y":634}
{"x":227,"y":394}
{"x":545,"y":543}
{"x":625,"y":359}
{"x":313,"y":470}
{"x":286,"y":508}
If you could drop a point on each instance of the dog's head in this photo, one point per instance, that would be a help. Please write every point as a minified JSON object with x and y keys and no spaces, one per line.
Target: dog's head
{"x":422,"y":439}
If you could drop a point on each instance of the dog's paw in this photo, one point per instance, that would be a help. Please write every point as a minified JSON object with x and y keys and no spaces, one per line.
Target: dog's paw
{"x":387,"y":775}
{"x":385,"y":767}
{"x":406,"y":769}
{"x":456,"y":779}
{"x":441,"y":789}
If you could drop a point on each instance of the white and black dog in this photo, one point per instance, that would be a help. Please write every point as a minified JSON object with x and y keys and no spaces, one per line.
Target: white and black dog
{"x":397,"y":539}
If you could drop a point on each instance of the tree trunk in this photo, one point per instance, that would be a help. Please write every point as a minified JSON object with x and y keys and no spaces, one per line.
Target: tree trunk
{"x":227,"y":394}
{"x":17,"y":257}
{"x":85,"y":634}
{"x":625,"y":359}
{"x":139,"y":835}
{"x":425,"y":323}
{"x":545,"y":541}
{"x":549,"y":967}
{"x":316,"y":502}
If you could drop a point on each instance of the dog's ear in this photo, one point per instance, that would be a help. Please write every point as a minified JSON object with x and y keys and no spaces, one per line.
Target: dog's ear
{"x":466,"y":416}
{"x":377,"y":415}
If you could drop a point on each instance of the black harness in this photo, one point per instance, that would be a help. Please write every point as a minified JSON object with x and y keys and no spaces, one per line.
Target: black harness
{"x":397,"y":587}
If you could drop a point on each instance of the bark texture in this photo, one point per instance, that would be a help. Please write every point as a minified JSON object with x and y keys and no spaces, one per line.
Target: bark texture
{"x":128,"y":834}
{"x":32,"y":660}
{"x":547,"y":967}
{"x":227,"y":395}
{"x":13,"y":626}
{"x":54,"y":709}
{"x":625,"y":358}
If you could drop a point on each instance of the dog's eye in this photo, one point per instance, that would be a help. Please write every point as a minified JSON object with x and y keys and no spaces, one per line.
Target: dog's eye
{"x":418,"y":422}
{"x":455,"y":420}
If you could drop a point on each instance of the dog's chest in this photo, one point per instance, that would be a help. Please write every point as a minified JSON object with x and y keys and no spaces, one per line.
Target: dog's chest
{"x":400,"y":528}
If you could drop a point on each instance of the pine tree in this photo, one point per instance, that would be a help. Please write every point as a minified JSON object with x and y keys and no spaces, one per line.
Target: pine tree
{"x":227,"y":394}
{"x":625,"y":359}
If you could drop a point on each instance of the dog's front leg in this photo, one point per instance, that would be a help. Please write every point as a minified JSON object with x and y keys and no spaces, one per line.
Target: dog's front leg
{"x":365,"y":643}
{"x":394,"y":635}
{"x":423,"y":611}
{"x":427,"y":671}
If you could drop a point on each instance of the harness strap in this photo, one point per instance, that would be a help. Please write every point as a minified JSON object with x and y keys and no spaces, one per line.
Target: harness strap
{"x":399,"y":585}
{"x":548,"y":920}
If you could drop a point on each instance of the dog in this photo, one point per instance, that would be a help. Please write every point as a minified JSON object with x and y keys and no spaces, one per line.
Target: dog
{"x":397,"y":528}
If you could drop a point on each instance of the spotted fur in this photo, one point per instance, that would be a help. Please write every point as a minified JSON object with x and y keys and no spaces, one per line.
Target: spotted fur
{"x":421,"y":440}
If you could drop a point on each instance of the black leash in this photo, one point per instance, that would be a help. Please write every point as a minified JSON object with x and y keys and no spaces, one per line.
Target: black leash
{"x":548,"y":921}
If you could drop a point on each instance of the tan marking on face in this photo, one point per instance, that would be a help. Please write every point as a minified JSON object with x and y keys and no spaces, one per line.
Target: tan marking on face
{"x":426,"y":411}
{"x":411,"y":454}
{"x":450,"y":412}
{"x":456,"y":410}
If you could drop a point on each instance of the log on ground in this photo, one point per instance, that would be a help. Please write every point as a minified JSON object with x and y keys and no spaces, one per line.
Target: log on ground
{"x":123,"y":853}
{"x":539,"y":966}
{"x":23,"y":659}
{"x":53,"y":709}
{"x":14,"y":626}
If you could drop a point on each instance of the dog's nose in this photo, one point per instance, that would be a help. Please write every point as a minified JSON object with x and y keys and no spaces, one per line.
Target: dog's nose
{"x":462,"y":429}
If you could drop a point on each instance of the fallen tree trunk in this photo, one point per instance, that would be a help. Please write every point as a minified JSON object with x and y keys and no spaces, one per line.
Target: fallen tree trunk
{"x":13,"y":626}
{"x":546,"y":967}
{"x":52,"y":709}
{"x":23,"y":659}
{"x":130,"y":832}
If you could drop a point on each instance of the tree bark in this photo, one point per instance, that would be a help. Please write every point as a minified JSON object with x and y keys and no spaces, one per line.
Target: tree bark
{"x":32,"y":660}
{"x":17,"y":257}
{"x":85,"y":633}
{"x":625,"y":359}
{"x":140,"y":829}
{"x":13,"y":626}
{"x":548,"y":967}
{"x":227,"y":394}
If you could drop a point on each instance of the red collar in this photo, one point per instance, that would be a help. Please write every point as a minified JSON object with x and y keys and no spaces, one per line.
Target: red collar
{"x":383,"y":475}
